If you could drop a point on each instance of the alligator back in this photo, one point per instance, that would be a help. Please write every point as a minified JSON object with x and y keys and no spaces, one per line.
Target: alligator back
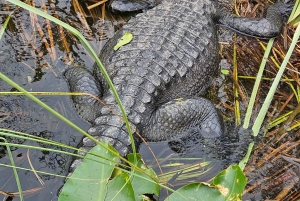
{"x":174,"y":50}
{"x":173,"y":54}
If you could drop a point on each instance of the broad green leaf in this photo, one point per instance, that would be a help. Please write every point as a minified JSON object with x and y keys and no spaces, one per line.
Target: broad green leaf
{"x":228,"y":185}
{"x":195,"y":192}
{"x":89,"y":180}
{"x":126,"y":38}
{"x":230,"y":182}
{"x":145,"y":184}
{"x":120,"y":188}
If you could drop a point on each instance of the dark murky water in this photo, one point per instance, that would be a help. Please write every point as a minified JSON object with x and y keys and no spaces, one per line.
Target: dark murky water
{"x":25,"y":59}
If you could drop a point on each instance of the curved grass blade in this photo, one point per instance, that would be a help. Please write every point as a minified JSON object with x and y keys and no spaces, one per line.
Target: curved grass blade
{"x":5,"y":25}
{"x":244,"y":161}
{"x":25,"y":136}
{"x":14,"y":168}
{"x":32,"y":97}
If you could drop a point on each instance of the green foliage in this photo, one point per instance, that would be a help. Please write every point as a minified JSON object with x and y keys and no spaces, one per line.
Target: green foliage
{"x":263,"y":111}
{"x":229,"y":184}
{"x":256,"y":84}
{"x":144,"y":177}
{"x":259,"y":120}
{"x":120,"y":188}
{"x":295,"y":15}
{"x":126,"y":38}
{"x":91,"y":177}
{"x":92,"y":181}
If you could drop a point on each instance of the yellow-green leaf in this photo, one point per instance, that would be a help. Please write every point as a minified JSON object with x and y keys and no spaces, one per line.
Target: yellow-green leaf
{"x":126,"y":38}
{"x":224,"y":71}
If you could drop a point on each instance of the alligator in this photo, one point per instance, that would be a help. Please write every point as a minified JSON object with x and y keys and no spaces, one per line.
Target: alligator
{"x":161,"y":74}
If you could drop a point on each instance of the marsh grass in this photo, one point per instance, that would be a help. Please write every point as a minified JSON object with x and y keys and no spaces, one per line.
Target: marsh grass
{"x":277,"y":117}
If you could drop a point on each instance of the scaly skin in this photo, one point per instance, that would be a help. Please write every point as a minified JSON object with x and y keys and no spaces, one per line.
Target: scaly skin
{"x":132,"y":5}
{"x":161,"y":73}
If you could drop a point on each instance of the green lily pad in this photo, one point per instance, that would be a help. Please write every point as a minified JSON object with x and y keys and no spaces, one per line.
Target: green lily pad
{"x":146,"y":182}
{"x":228,"y":185}
{"x":120,"y":188}
{"x":89,"y":180}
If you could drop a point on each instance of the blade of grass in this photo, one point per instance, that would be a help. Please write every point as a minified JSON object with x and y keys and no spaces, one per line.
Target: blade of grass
{"x":5,"y":25}
{"x":256,"y":84}
{"x":235,"y":89}
{"x":25,"y":136}
{"x":49,"y":150}
{"x":40,"y":148}
{"x":244,"y":161}
{"x":295,"y":12}
{"x":29,"y":170}
{"x":261,"y":115}
{"x":14,"y":168}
